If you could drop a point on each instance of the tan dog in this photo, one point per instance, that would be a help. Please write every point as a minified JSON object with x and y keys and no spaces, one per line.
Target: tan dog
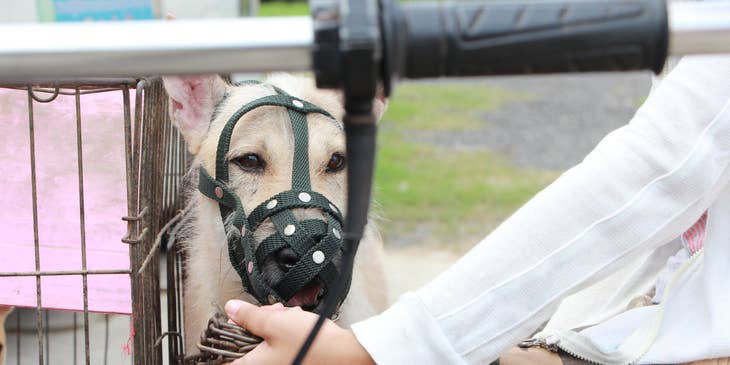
{"x":4,"y":312}
{"x":260,"y":158}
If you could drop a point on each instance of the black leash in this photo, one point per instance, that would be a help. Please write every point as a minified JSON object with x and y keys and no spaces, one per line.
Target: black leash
{"x":360,"y":131}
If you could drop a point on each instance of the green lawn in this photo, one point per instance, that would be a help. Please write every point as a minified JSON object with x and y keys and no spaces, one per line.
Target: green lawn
{"x":283,"y":9}
{"x":444,"y":106}
{"x":452,"y":195}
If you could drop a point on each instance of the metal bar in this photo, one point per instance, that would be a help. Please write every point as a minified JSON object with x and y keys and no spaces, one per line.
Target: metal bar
{"x":134,"y":241}
{"x":73,"y":82}
{"x":69,"y":272}
{"x":48,"y":342}
{"x":151,"y":183}
{"x":166,"y":167}
{"x":178,"y":255}
{"x":154,"y":47}
{"x":34,"y":196}
{"x":49,"y":99}
{"x":75,"y":335}
{"x":136,"y":140}
{"x":106,"y":339}
{"x":131,"y":147}
{"x":237,"y":45}
{"x":168,"y":185}
{"x":172,"y":314}
{"x":176,"y":160}
{"x":153,"y":252}
{"x":82,"y":222}
{"x":136,"y":218}
{"x":179,"y":301}
{"x":699,"y":28}
{"x":17,"y":338}
{"x":60,"y":91}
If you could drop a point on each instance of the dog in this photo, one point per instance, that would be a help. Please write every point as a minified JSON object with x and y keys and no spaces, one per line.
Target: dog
{"x":4,"y":312}
{"x":260,"y":163}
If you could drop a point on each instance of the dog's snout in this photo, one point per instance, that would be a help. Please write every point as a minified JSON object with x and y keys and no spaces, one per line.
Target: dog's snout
{"x":286,"y":258}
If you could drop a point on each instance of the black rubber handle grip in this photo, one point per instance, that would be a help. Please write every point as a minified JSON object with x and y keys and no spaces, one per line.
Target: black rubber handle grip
{"x":462,"y":39}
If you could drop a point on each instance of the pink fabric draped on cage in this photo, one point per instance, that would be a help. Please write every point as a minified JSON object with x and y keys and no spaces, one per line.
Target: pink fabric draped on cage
{"x":58,"y":205}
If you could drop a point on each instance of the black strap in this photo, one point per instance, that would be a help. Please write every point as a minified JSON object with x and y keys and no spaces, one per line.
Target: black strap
{"x":219,"y":192}
{"x":300,"y":168}
{"x":306,"y":269}
{"x":287,"y":101}
{"x":288,"y":200}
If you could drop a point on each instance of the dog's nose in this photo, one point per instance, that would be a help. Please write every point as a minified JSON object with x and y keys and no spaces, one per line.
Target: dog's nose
{"x":286,"y":258}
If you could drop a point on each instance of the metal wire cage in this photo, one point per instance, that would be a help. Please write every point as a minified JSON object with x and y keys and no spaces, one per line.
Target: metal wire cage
{"x":156,"y":161}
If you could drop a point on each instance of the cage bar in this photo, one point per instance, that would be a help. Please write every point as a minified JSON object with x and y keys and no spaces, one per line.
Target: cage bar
{"x":63,"y":273}
{"x":36,"y":244}
{"x":84,"y":277}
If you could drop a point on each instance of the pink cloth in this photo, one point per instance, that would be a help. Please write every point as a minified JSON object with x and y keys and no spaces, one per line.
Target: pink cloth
{"x":59,"y":231}
{"x":694,"y":237}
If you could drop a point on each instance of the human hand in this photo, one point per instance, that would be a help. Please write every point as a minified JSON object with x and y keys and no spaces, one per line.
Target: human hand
{"x":284,"y":331}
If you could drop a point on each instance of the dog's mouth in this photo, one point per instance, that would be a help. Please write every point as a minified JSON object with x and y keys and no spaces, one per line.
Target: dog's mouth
{"x":309,"y":297}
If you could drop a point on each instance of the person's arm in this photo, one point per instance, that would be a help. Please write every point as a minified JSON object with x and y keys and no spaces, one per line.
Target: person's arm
{"x":638,"y":189}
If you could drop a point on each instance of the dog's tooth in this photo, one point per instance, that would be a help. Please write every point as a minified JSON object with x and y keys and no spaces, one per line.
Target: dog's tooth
{"x":271,"y":299}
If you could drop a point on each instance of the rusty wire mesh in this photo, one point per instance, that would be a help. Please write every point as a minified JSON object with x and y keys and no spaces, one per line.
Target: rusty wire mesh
{"x":155,"y":164}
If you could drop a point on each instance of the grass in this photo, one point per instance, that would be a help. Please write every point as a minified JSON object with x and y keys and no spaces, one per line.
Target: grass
{"x":277,"y":8}
{"x":445,"y":106}
{"x":433,"y":194}
{"x":283,"y":8}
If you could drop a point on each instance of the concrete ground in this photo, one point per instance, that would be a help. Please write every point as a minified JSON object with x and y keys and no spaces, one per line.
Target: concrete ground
{"x":560,"y":119}
{"x":564,"y":117}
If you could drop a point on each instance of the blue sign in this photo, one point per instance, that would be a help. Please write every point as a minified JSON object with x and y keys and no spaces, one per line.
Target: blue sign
{"x":86,"y":10}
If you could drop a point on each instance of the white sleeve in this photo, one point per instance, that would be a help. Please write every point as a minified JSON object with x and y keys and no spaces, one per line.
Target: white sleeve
{"x":640,"y":186}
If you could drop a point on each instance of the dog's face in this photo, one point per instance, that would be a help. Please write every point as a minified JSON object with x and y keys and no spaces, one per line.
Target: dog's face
{"x":261,"y":151}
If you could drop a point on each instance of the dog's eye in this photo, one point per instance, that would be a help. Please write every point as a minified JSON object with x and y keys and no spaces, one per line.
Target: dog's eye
{"x":250,"y":162}
{"x":336,"y":163}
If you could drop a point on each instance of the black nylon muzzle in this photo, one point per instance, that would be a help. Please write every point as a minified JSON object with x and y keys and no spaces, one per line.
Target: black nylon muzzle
{"x":314,"y":241}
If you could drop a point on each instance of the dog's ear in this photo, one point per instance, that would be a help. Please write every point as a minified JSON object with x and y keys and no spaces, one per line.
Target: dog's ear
{"x":193,"y":100}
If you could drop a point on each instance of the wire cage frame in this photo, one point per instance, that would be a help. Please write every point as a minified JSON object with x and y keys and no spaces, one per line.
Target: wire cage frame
{"x":155,"y":163}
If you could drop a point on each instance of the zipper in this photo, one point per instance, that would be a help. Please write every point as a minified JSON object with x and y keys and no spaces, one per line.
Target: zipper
{"x":549,"y":343}
{"x":633,"y":348}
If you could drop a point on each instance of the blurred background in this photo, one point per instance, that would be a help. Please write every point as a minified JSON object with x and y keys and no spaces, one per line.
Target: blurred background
{"x":455,"y":157}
